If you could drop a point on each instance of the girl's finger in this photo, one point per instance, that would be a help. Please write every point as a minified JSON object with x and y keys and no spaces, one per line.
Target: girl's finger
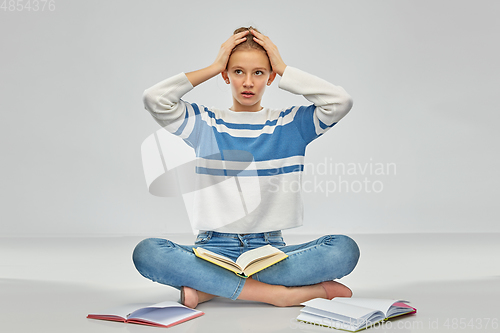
{"x":238,"y":36}
{"x":259,"y":35}
{"x":258,"y":41}
{"x":242,"y":33}
{"x":255,"y":32}
{"x":241,"y":40}
{"x":261,"y":42}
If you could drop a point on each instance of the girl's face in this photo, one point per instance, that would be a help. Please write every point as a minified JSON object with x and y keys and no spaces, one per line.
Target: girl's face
{"x":248,"y":72}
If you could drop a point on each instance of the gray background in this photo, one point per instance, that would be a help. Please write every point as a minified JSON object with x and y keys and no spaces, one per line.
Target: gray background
{"x":424,"y":77}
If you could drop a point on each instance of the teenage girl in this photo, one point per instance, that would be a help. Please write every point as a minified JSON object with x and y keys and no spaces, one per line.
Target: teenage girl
{"x":276,"y":141}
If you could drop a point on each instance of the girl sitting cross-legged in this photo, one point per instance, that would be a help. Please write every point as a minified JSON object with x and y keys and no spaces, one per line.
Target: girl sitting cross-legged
{"x":223,"y":140}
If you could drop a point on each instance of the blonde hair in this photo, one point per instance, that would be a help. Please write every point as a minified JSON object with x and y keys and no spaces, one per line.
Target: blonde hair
{"x":249,"y":43}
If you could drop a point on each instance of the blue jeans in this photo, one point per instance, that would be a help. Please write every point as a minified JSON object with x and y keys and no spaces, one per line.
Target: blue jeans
{"x":163,"y":261}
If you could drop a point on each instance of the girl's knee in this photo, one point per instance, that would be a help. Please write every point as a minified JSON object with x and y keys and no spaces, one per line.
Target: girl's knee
{"x":159,"y":260}
{"x":140,"y":252}
{"x":146,"y":251}
{"x":350,"y":246}
{"x":345,"y":248}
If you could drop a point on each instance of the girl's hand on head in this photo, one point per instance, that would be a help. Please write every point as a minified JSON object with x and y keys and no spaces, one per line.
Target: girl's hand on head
{"x":272,"y":51}
{"x":226,"y":48}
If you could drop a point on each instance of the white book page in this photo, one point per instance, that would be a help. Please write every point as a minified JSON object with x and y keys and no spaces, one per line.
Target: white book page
{"x":167,"y":304}
{"x":371,"y":303}
{"x":347,"y":310}
{"x":261,"y":252}
{"x":167,"y":311}
{"x":333,"y":316}
{"x":218,"y":256}
{"x":164,"y":316}
{"x":318,"y":320}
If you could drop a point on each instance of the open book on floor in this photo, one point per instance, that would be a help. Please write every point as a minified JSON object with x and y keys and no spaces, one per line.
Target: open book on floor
{"x":164,"y":314}
{"x":351,"y":314}
{"x":248,"y":263}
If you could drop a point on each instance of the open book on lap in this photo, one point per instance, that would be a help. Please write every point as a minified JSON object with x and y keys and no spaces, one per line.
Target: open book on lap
{"x":164,"y":314}
{"x":247,"y":263}
{"x":352,"y":314}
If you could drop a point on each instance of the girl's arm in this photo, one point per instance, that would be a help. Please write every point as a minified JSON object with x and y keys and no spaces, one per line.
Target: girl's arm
{"x":331,"y":103}
{"x":220,"y":62}
{"x":163,"y":100}
{"x":332,"y":100}
{"x":202,"y":75}
{"x":277,"y":64}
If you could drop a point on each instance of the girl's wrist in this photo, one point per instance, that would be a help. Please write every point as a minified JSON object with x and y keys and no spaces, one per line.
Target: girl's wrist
{"x":280,"y":69}
{"x":216,"y":68}
{"x":202,"y":75}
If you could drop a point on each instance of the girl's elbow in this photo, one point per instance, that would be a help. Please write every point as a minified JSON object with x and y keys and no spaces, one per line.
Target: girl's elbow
{"x":342,"y":106}
{"x":147,"y":99}
{"x":348,"y":102}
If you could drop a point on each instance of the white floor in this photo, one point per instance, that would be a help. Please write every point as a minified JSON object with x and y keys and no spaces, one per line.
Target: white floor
{"x":51,"y":284}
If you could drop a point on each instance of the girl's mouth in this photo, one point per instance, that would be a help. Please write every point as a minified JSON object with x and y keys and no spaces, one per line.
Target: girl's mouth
{"x":247,"y":94}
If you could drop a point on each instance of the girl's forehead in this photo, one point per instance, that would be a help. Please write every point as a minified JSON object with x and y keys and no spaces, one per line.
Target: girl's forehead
{"x":249,"y":58}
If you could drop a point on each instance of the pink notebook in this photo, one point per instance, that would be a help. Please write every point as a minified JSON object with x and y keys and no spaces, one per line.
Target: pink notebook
{"x":164,"y":314}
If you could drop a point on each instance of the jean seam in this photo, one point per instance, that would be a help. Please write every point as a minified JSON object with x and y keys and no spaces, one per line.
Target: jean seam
{"x":308,"y":248}
{"x":172,"y":248}
{"x":237,"y":292}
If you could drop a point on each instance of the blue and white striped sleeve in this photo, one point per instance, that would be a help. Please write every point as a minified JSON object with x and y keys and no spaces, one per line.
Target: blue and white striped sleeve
{"x":163,"y":101}
{"x":330,"y":103}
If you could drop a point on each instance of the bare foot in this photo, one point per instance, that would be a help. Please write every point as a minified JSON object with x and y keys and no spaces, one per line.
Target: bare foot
{"x":191,"y":297}
{"x":335,"y":289}
{"x":328,"y":289}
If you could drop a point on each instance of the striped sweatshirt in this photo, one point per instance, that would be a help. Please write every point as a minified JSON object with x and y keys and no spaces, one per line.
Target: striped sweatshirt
{"x":248,"y":164}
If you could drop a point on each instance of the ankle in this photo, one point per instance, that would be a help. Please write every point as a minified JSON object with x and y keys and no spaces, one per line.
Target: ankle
{"x":203,"y":297}
{"x":293,"y":296}
{"x":286,"y":297}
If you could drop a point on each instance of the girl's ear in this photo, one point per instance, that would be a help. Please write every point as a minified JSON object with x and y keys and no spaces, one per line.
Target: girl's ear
{"x":224,"y":76}
{"x":272,"y":76}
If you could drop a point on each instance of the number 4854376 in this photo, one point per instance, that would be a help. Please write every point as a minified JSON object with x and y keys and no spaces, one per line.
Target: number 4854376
{"x":471,"y":323}
{"x":28,"y":5}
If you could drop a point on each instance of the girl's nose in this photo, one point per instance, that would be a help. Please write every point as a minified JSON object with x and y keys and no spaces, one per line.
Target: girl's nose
{"x":248,"y":81}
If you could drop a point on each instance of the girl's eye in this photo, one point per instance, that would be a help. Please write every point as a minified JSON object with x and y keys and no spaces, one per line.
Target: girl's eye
{"x":259,"y":72}
{"x":238,"y":71}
